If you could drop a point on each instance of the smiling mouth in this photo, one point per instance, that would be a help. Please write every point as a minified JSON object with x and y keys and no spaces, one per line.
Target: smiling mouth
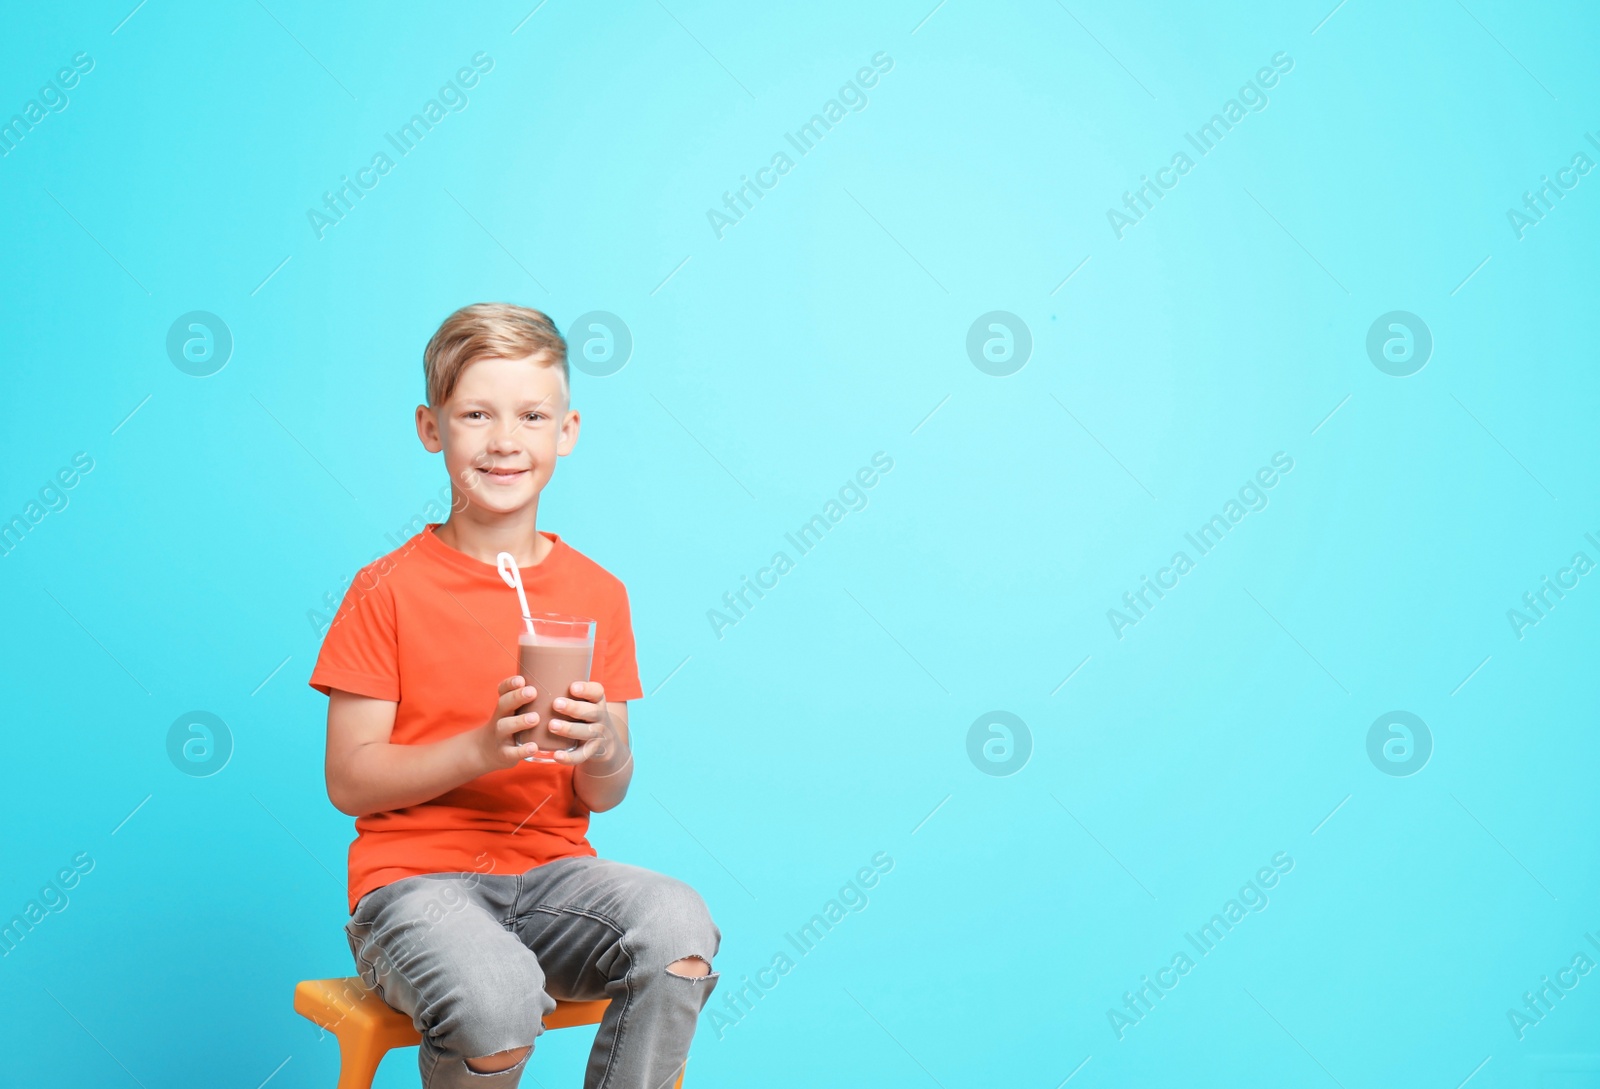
{"x":503,"y":475}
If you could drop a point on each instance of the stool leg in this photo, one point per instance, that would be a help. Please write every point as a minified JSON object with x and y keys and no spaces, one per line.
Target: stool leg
{"x":358,"y":1061}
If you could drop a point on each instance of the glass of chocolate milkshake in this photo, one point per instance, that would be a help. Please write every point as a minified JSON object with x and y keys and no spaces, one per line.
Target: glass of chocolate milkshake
{"x":558,"y":651}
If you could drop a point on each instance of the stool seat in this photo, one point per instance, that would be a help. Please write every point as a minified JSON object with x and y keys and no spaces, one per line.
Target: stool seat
{"x":368,"y":1027}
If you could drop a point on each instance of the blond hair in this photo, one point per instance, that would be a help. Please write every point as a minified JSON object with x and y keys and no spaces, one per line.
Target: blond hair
{"x":489,"y":331}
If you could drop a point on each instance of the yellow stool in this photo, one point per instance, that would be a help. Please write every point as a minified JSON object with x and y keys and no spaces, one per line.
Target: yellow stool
{"x":367,"y":1027}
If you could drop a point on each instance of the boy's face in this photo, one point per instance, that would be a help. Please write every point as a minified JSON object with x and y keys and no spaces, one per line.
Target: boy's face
{"x":501,"y":431}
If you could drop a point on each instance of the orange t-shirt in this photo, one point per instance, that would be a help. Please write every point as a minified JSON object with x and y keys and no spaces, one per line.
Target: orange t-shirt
{"x":435,"y":630}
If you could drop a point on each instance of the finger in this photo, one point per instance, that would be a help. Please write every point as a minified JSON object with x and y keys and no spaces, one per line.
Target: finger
{"x":514,"y":697}
{"x":577,"y":709}
{"x":592,"y":691}
{"x":511,"y":691}
{"x":578,"y":731}
{"x":579,"y":754}
{"x":512,"y":724}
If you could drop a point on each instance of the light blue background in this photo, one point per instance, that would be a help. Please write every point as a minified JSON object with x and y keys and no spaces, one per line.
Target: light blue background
{"x":832,"y":720}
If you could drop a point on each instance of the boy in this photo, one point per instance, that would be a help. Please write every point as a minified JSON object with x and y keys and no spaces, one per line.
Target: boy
{"x":476,"y":900}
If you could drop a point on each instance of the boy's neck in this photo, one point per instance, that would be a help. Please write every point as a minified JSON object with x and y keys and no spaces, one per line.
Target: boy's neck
{"x":514,"y":533}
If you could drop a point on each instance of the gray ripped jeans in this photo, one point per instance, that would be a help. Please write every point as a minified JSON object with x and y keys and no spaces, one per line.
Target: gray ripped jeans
{"x":477,"y":960}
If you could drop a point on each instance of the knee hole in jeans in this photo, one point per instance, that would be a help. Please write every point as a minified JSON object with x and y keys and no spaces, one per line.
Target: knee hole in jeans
{"x":688,"y":964}
{"x":498,"y":1062}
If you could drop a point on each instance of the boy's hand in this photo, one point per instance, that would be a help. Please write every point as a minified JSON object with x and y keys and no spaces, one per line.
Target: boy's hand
{"x":496,"y":749}
{"x":590,"y":724}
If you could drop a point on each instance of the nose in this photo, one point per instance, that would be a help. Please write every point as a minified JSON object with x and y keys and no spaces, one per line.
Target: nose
{"x":504,"y":437}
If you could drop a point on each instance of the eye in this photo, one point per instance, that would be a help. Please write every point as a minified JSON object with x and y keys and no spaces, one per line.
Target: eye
{"x":473,"y":412}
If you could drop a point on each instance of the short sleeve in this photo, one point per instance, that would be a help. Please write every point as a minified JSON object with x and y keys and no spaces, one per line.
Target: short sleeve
{"x":360,"y":653}
{"x":617,"y":668}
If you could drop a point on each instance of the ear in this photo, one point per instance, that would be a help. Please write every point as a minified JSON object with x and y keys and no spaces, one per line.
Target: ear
{"x":568,"y":438}
{"x":428,"y":429}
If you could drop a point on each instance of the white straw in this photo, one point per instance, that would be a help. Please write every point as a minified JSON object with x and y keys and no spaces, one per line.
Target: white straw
{"x":507,"y":563}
